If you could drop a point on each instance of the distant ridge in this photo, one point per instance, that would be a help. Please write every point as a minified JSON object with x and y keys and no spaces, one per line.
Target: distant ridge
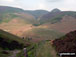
{"x":37,"y":13}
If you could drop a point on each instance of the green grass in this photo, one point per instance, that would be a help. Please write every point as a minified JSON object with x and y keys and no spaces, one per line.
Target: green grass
{"x":7,"y":17}
{"x":45,"y":49}
{"x":46,"y":34}
{"x":41,"y":49}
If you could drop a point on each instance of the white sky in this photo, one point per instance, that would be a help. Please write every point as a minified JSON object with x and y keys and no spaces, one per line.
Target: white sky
{"x":41,"y":4}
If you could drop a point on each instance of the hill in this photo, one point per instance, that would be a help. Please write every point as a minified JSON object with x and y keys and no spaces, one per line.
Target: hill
{"x":6,"y":9}
{"x":63,"y":21}
{"x":54,"y":17}
{"x":66,"y":43}
{"x":55,"y":10}
{"x":9,"y":13}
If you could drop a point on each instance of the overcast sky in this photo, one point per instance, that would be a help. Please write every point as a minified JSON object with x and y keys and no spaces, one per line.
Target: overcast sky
{"x":64,"y":5}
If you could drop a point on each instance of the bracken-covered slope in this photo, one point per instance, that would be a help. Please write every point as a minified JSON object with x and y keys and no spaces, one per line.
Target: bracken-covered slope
{"x":66,"y":44}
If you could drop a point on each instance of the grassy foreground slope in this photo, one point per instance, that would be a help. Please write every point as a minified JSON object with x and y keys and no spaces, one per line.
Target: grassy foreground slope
{"x":45,"y":49}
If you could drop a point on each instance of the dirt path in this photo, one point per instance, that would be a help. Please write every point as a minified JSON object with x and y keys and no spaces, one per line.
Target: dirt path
{"x":14,"y":53}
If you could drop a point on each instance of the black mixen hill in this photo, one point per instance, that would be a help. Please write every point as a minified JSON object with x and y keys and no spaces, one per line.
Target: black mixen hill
{"x":66,"y":43}
{"x":55,"y":16}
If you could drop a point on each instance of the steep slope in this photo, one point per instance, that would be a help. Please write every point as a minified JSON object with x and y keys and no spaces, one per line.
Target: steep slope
{"x":66,"y":43}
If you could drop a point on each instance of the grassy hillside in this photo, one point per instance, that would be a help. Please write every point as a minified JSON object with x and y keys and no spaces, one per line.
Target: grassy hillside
{"x":43,"y":34}
{"x":7,"y":17}
{"x":9,"y":13}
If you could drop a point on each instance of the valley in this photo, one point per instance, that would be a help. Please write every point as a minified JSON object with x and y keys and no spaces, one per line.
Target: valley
{"x":35,"y":30}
